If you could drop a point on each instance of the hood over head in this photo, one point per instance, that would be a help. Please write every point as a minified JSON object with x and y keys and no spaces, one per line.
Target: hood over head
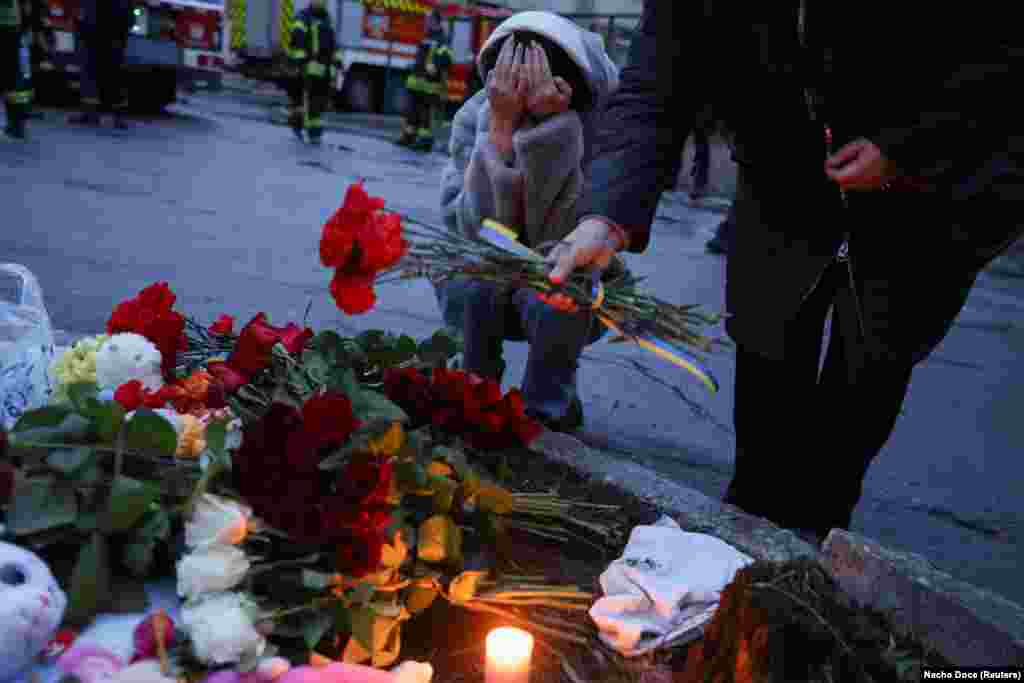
{"x":585,"y":48}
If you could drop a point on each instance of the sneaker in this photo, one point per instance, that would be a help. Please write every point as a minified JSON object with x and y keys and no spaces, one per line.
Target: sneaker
{"x":572,"y":421}
{"x":86,"y":118}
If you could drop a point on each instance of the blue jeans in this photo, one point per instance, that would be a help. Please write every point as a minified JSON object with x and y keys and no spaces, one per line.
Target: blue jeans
{"x":489,"y":315}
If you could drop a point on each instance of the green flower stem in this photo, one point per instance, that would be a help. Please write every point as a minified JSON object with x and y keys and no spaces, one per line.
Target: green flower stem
{"x":319,"y":603}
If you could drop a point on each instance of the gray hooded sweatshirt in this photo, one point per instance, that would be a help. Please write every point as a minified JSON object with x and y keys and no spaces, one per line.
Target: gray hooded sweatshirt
{"x":536,"y":192}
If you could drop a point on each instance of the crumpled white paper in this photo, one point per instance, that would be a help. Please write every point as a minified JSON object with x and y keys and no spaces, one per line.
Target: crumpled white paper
{"x":664,"y":589}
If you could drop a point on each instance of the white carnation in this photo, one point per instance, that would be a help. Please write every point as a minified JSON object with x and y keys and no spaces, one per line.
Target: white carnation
{"x":213,"y":569}
{"x":126,"y":357}
{"x":221,"y":630}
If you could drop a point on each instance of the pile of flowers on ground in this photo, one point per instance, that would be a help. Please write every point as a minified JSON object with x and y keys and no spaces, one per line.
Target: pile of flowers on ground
{"x":310,"y":492}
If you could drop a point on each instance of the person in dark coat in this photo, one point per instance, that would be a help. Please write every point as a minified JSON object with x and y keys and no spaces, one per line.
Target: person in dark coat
{"x":922,"y":185}
{"x":314,"y":56}
{"x":15,"y":74}
{"x":103,"y":32}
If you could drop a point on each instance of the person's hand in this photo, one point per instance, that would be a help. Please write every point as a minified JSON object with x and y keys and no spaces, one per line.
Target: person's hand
{"x":591,"y":245}
{"x":547,"y":94}
{"x":859,"y":165}
{"x":507,"y":84}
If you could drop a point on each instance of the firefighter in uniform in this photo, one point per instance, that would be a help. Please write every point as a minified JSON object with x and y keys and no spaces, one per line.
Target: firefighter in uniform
{"x":105,"y":26}
{"x":426,"y":85}
{"x":15,"y":70}
{"x":314,"y":57}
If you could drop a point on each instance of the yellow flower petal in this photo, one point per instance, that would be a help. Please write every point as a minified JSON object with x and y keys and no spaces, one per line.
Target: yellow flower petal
{"x":495,"y":499}
{"x":389,"y":443}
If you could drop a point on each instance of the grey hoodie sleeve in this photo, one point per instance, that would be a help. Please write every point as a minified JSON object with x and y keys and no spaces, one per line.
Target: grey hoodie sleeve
{"x":476,"y":183}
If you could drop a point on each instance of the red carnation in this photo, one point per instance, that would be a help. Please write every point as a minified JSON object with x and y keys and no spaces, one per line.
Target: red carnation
{"x":365,"y":481}
{"x":353,"y":293}
{"x":223,"y":325}
{"x":340,"y":516}
{"x":133,"y":395}
{"x":381,"y":245}
{"x":294,"y":338}
{"x":150,"y":315}
{"x":255,"y":342}
{"x":360,"y":552}
{"x":341,"y":229}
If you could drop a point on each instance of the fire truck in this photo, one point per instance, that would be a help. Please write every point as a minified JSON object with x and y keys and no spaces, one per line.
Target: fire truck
{"x":378,"y":40}
{"x":173,"y":43}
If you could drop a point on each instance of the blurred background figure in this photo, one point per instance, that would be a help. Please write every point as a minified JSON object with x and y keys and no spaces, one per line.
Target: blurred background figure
{"x":104,"y":29}
{"x":425,"y":84}
{"x":15,"y":68}
{"x":313,"y":53}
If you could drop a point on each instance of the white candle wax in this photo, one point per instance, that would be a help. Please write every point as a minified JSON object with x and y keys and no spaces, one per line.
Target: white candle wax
{"x":508,"y":656}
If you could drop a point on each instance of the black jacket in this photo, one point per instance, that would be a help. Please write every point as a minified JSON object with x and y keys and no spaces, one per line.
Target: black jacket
{"x":107,"y":19}
{"x":926,"y":86}
{"x":314,"y":40}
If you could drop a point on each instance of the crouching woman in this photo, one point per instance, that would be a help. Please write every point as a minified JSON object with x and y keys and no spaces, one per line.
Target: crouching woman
{"x":519,"y":149}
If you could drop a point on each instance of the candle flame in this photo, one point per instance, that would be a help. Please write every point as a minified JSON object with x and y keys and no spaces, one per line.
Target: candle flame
{"x":509,"y":646}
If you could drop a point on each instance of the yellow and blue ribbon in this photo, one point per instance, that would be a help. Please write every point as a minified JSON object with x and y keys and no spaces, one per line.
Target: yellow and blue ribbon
{"x":500,"y":236}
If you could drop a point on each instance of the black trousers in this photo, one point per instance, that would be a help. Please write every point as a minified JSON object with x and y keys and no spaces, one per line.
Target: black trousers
{"x":310,"y":98}
{"x":102,"y":73}
{"x":805,"y":436}
{"x":419,"y":120}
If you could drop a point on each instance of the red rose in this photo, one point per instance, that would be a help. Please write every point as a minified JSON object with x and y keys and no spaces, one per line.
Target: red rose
{"x":223,"y":325}
{"x":229,"y":379}
{"x":329,"y":417}
{"x":381,"y":245}
{"x":144,"y":635}
{"x":295,"y":338}
{"x":353,"y":293}
{"x":360,"y":552}
{"x":8,"y":477}
{"x":255,"y":342}
{"x":365,"y":481}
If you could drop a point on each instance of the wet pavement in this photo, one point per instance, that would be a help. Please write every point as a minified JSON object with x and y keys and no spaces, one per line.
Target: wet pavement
{"x":228,"y":209}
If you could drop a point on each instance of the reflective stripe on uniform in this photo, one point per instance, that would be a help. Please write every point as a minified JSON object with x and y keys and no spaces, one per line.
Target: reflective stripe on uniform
{"x":287,"y":12}
{"x":20,"y":97}
{"x":297,"y":54}
{"x":314,"y":123}
{"x":422,"y":85}
{"x":316,"y":70}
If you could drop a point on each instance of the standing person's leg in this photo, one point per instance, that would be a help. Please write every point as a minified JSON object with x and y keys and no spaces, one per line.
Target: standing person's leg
{"x":116,"y":91}
{"x":425,"y":124}
{"x":319,"y":91}
{"x":89,"y":86}
{"x":701,"y":163}
{"x":411,"y":122}
{"x":15,"y":98}
{"x":296,"y":109}
{"x":774,"y":413}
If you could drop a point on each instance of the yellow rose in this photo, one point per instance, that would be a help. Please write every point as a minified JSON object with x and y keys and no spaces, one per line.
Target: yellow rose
{"x":192,"y":441}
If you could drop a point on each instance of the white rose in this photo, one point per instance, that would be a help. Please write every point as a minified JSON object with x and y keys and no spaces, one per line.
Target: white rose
{"x":211,"y":570}
{"x":217,"y":520}
{"x":221,"y":630}
{"x":125,"y":357}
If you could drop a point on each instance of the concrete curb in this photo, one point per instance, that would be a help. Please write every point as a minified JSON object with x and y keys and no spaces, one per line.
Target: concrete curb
{"x":968,"y":625}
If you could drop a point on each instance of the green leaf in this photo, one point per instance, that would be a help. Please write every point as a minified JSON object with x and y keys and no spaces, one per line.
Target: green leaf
{"x":155,"y":526}
{"x":370,"y":405}
{"x":343,"y":380}
{"x":80,"y":392}
{"x":411,"y":476}
{"x":40,"y":504}
{"x":444,"y":493}
{"x":87,"y":522}
{"x":363,"y":593}
{"x":47,"y":416}
{"x":72,"y":428}
{"x":217,"y":436}
{"x":90,"y":582}
{"x":128,"y":502}
{"x":316,"y":581}
{"x":439,"y":348}
{"x":316,"y":365}
{"x":138,"y":557}
{"x":107,"y":418}
{"x":342,"y":617}
{"x":315,"y":628}
{"x":148,"y":431}
{"x":362,"y":619}
{"x":71,"y":461}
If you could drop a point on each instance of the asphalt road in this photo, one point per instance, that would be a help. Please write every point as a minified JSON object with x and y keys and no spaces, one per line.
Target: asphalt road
{"x":228,"y":209}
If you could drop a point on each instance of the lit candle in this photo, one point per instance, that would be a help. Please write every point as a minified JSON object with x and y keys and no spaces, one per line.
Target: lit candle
{"x":508,"y":656}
